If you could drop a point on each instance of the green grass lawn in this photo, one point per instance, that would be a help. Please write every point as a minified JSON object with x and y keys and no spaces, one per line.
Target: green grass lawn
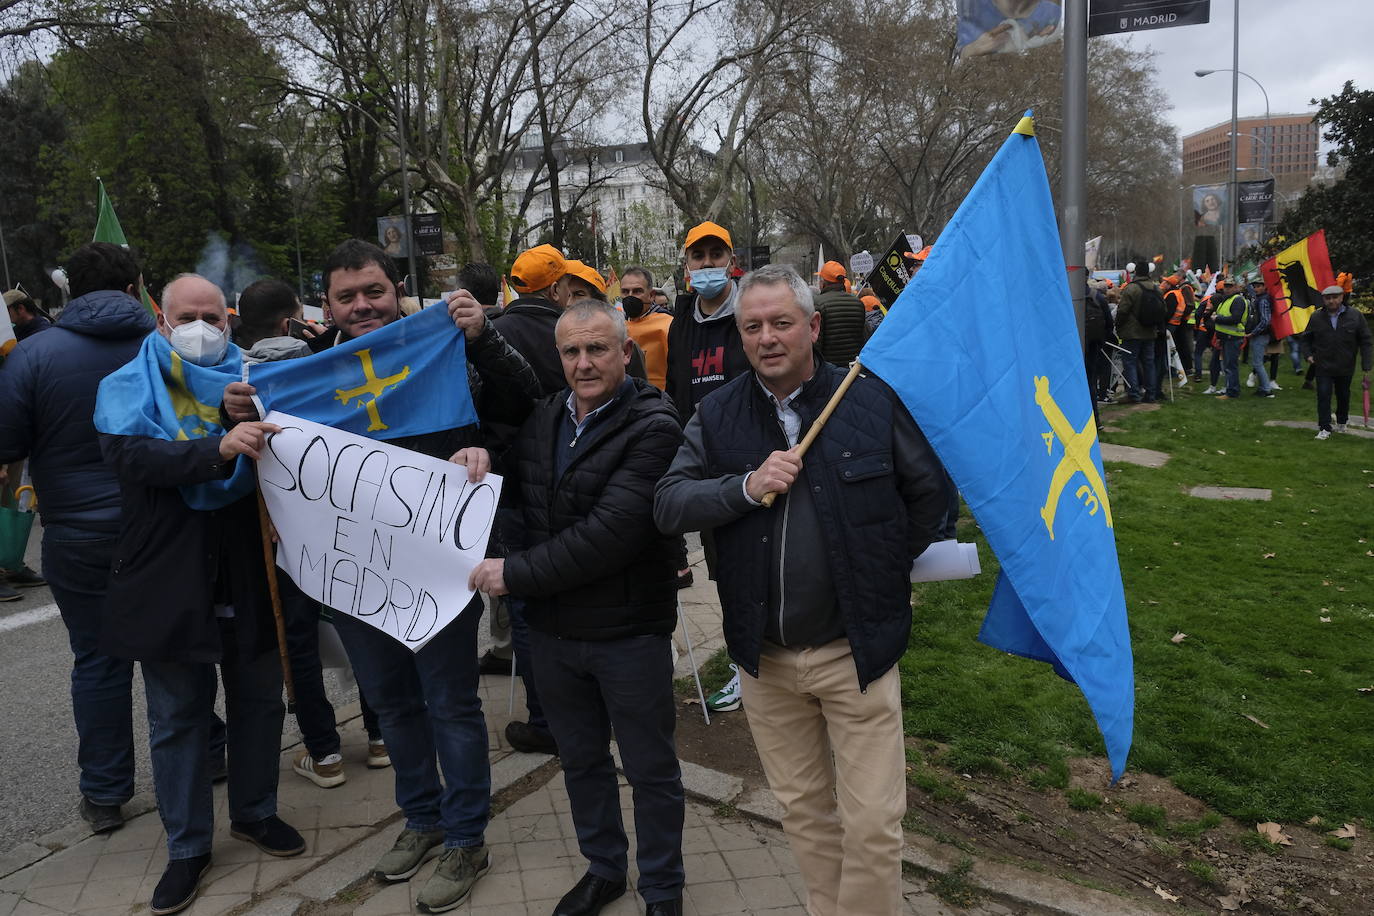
{"x":1246,"y":581}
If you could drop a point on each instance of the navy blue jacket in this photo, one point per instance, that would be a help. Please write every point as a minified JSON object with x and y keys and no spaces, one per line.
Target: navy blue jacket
{"x":47,"y":396}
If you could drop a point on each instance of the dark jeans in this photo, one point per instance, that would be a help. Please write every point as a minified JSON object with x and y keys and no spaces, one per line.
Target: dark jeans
{"x":428,"y":708}
{"x":591,"y":688}
{"x":525,"y":663}
{"x":314,"y":712}
{"x":1162,"y":368}
{"x":1202,"y":342}
{"x":1139,"y":361}
{"x":1183,"y":343}
{"x":181,"y":706}
{"x":76,"y":564}
{"x":1341,"y":385}
{"x":1230,"y":360}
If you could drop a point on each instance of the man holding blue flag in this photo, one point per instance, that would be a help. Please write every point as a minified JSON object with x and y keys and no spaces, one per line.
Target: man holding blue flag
{"x":188,"y":587}
{"x":815,"y":590}
{"x":406,"y":382}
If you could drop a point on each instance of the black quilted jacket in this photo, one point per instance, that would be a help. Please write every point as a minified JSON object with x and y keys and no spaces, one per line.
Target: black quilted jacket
{"x":596,"y":566}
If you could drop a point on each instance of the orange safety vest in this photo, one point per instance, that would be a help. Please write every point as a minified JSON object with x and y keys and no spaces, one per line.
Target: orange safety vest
{"x":1179,"y":305}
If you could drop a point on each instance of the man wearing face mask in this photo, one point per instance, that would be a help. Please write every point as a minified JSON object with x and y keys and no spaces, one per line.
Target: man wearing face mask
{"x":188,"y":588}
{"x":704,"y":350}
{"x":647,"y":324}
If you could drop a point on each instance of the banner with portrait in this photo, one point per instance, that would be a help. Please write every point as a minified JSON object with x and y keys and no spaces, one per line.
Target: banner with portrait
{"x":1209,"y":205}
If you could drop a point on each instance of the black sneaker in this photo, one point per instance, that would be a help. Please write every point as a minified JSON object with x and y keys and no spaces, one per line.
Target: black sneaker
{"x":102,"y":818}
{"x":23,"y":577}
{"x":272,"y":835}
{"x":684,"y":579}
{"x":179,"y":885}
{"x":7,"y":593}
{"x":530,"y":739}
{"x":490,"y":663}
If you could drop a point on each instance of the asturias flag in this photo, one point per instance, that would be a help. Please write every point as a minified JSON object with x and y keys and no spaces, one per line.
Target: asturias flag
{"x":159,"y":395}
{"x":1295,"y":278}
{"x":404,"y":379}
{"x":982,"y":347}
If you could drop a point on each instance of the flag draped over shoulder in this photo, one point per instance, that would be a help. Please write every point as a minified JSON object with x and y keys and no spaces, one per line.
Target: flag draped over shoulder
{"x":982,"y":348}
{"x":404,"y":379}
{"x":159,"y":395}
{"x":1295,"y":278}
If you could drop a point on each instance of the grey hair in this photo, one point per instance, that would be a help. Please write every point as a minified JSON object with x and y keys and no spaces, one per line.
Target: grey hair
{"x":223,"y":303}
{"x":586,"y":309}
{"x":643,"y":272}
{"x":776,"y":274}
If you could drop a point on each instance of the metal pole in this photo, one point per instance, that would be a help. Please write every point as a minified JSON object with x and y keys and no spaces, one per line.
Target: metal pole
{"x":1232,"y":204}
{"x":1073,"y":192}
{"x":4,"y":256}
{"x":405,"y":170}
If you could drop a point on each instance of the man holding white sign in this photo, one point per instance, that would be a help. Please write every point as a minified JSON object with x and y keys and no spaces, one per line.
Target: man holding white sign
{"x":600,"y":584}
{"x":419,"y":676}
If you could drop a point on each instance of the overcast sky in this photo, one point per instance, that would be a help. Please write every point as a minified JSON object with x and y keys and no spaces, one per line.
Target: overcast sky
{"x":1298,"y":50}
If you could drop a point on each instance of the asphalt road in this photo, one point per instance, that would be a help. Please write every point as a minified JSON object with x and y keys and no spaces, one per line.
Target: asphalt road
{"x":38,"y":771}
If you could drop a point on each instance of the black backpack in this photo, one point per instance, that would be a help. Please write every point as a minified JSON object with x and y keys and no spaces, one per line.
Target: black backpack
{"x":1151,"y":310}
{"x":1094,"y":321}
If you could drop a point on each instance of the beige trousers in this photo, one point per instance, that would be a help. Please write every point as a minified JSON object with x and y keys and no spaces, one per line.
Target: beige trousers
{"x":835,"y":760}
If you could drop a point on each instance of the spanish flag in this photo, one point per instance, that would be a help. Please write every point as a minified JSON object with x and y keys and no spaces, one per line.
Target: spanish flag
{"x":1295,"y":278}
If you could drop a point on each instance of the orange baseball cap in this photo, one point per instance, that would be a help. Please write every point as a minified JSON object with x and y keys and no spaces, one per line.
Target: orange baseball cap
{"x":832,"y":272}
{"x":538,"y":268}
{"x":587,"y":273}
{"x":870,"y":302}
{"x":918,"y":255}
{"x":707,"y":230}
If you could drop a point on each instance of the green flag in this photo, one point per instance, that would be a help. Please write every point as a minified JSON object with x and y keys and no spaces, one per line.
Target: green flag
{"x":107,"y":228}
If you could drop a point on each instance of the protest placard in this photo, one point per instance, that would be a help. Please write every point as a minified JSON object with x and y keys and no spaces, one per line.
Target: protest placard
{"x":377,"y":532}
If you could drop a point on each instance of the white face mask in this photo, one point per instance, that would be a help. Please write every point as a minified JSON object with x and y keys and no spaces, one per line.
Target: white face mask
{"x":199,"y":343}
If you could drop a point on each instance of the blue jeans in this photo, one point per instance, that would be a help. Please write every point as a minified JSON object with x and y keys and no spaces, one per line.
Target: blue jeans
{"x":76,"y":564}
{"x":1230,"y":362}
{"x":427,"y":706}
{"x":181,"y":707}
{"x":314,"y":712}
{"x":626,"y":684}
{"x":1257,"y":345}
{"x":1141,"y":359}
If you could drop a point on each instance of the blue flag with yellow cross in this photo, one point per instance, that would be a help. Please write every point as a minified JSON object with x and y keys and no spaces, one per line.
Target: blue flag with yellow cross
{"x":982,"y":348}
{"x":404,"y":379}
{"x":159,"y":395}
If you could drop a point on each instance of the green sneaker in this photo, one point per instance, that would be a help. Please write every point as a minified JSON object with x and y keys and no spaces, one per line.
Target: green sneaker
{"x":453,"y":878}
{"x":411,"y":849}
{"x":726,"y":698}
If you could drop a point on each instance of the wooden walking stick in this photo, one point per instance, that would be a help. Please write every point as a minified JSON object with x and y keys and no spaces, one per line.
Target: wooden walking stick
{"x":815,"y":429}
{"x":269,"y":557}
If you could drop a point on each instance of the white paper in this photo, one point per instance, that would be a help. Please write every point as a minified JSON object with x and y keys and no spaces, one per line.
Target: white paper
{"x":944,"y":560}
{"x":377,"y":532}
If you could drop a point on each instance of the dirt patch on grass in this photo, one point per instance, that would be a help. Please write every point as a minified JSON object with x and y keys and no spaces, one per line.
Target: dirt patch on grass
{"x":1130,"y":839}
{"x":1141,"y":835}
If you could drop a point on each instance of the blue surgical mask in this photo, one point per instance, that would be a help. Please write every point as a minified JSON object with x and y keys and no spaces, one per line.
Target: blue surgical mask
{"x":709,"y":281}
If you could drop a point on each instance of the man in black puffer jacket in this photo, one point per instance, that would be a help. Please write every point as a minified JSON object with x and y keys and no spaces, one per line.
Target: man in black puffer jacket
{"x":601,"y":601}
{"x":47,"y":396}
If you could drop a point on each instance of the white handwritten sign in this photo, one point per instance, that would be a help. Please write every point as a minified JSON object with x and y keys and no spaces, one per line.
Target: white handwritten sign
{"x":381,"y":533}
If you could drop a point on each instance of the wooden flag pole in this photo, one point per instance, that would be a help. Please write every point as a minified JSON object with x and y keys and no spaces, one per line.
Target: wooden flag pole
{"x":269,"y":557}
{"x":816,"y":427}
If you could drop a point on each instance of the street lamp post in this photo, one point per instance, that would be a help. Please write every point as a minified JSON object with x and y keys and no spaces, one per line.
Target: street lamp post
{"x":1232,"y":203}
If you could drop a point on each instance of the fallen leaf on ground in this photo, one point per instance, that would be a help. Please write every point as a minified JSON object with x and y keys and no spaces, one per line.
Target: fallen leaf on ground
{"x":1305,"y":670}
{"x":1273,"y":833}
{"x":1172,"y":898}
{"x":1229,"y":902}
{"x":1346,"y":832}
{"x":691,"y":701}
{"x":1324,"y":619}
{"x":1314,"y":820}
{"x":1270,"y":556}
{"x":1178,"y":638}
{"x":1326,"y":582}
{"x":1256,"y":721}
{"x":1364,"y":689}
{"x":1220,"y":452}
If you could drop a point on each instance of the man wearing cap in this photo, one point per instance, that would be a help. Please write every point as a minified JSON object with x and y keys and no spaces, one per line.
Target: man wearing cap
{"x":647,"y":323}
{"x":1229,"y":317}
{"x":843,"y":328}
{"x":28,"y":319}
{"x":915,"y":260}
{"x":538,"y":275}
{"x":704,"y":350}
{"x":1259,"y":331}
{"x":1333,"y":336}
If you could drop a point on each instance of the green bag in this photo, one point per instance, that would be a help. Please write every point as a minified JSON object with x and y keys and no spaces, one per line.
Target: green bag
{"x":14,"y":536}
